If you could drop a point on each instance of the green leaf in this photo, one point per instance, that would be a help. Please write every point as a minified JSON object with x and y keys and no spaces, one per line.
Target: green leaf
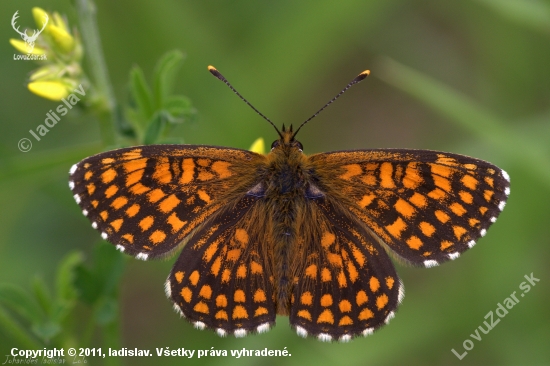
{"x":66,"y":274}
{"x":21,"y":303}
{"x":180,"y":107}
{"x":16,"y":331}
{"x":164,"y":76}
{"x":42,"y":294}
{"x":46,"y":330}
{"x":107,"y":311}
{"x":141,"y":93}
{"x":155,"y":128}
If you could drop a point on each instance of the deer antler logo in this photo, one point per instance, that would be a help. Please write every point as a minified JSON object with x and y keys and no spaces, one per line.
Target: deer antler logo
{"x":29,"y":40}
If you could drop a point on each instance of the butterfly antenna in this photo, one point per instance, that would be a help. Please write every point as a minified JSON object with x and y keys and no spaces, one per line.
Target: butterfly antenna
{"x":357,"y":79}
{"x":217,"y":74}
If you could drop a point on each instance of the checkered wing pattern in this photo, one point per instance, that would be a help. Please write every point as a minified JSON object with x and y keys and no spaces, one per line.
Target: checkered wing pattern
{"x":427,"y":207}
{"x":147,"y":200}
{"x":348,"y":286}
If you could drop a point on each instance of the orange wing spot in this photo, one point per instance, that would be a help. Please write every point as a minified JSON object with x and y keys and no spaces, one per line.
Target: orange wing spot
{"x":446,"y":160}
{"x":259,"y":296}
{"x":187,"y":294}
{"x":327,"y":239}
{"x":342,"y":279}
{"x":352,"y":271}
{"x":358,"y":255}
{"x":304,"y":314}
{"x":389,"y":282}
{"x":111,"y":191}
{"x":104,"y":215}
{"x":210,"y":251}
{"x":491,"y":171}
{"x":445,"y":244}
{"x":188,"y":168}
{"x":457,"y":209}
{"x":326,"y":300}
{"x":179,"y":276}
{"x":201,"y":307}
{"x":116,"y":224}
{"x":427,"y":254}
{"x":473,"y":222}
{"x":346,"y":320}
{"x":108,"y":176}
{"x":203,"y":162}
{"x":369,"y":179}
{"x":95,"y":203}
{"x":221,"y":168}
{"x":157,"y":237}
{"x":412,"y":179}
{"x":374,"y":284}
{"x":437,"y":194}
{"x":139,"y":188}
{"x":132,"y":210}
{"x":427,"y":228}
{"x":239,"y":296}
{"x":194,"y":278}
{"x":204,"y":176}
{"x":345,"y":306}
{"x":86,"y":166}
{"x":381,"y":301}
{"x":204,"y":196}
{"x":134,"y":165}
{"x":162,"y":172}
{"x":233,"y":255}
{"x":490,"y":181}
{"x":239,"y":312}
{"x":256,"y":268}
{"x":306,"y":298}
{"x":488,"y":194}
{"x":155,"y":195}
{"x":482,"y":210}
{"x":466,"y":197}
{"x":442,"y":183}
{"x":241,"y":271}
{"x":404,"y":208}
{"x":132,"y":154}
{"x":326,"y":317}
{"x":242,"y":236}
{"x":459,"y":231}
{"x":325,"y":275}
{"x":414,"y":242}
{"x":469,"y":182}
{"x":91,"y":188}
{"x":371,"y":166}
{"x":366,"y":200}
{"x":206,"y":292}
{"x":311,"y":271}
{"x":221,"y":314}
{"x":169,"y":203}
{"x":470,"y":166}
{"x":146,"y":223}
{"x":226,"y":276}
{"x":334,"y":259}
{"x":175,"y":222}
{"x":119,"y":202}
{"x":365,"y":314}
{"x":351,"y":171}
{"x":361,"y":298}
{"x":418,"y":200}
{"x":88,"y":175}
{"x":129,"y":238}
{"x":221,"y":301}
{"x":386,"y":171}
{"x":397,"y":227}
{"x":442,"y":216}
{"x":260,"y":311}
{"x":215,"y":269}
{"x":441,"y":170}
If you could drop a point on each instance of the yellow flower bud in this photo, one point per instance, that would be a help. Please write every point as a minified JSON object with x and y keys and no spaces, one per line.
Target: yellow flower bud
{"x":52,"y":90}
{"x":22,"y":47}
{"x":45,"y":72}
{"x":258,"y":146}
{"x":60,"y":22}
{"x":62,"y":38}
{"x":40,"y":17}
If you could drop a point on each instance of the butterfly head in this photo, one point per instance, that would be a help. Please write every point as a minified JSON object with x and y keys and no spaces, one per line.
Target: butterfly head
{"x":287,"y":141}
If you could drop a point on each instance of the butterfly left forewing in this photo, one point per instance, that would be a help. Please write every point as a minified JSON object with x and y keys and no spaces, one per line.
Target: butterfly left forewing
{"x":148,"y":199}
{"x":425,"y":206}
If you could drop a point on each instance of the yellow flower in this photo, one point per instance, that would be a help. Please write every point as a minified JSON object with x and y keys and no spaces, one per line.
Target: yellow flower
{"x":258,"y":146}
{"x":45,"y":72}
{"x":53,"y":90}
{"x":21,"y":46}
{"x":40,"y":17}
{"x":61,"y":38}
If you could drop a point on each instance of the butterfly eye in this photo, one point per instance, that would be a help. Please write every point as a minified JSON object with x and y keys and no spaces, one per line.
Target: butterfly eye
{"x":300,"y":146}
{"x":275,"y":144}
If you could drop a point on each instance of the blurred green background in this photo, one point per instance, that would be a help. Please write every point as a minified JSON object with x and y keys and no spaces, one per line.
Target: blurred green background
{"x":469,"y":77}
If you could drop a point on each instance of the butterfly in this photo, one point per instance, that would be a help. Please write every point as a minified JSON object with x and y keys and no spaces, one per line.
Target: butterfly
{"x":309,"y":237}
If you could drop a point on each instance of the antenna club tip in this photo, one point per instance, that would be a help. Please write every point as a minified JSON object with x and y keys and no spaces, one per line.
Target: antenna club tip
{"x":212,"y":68}
{"x":366,"y":73}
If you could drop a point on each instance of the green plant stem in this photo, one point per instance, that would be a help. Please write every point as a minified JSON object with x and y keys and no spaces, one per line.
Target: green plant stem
{"x":105,"y":105}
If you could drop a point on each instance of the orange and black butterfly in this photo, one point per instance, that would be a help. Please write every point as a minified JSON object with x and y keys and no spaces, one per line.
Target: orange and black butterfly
{"x":286,"y":233}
